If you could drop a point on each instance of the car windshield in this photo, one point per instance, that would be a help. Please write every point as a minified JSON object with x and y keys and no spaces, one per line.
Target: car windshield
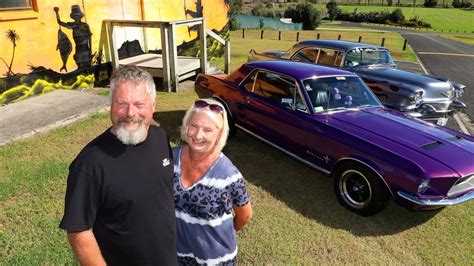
{"x":367,"y":56}
{"x":339,"y":93}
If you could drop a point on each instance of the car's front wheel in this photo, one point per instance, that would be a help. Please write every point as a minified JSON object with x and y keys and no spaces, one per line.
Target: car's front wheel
{"x":359,"y":189}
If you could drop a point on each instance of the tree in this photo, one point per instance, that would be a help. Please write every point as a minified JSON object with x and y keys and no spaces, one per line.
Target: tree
{"x":258,"y":10}
{"x":13,"y":37}
{"x":235,"y":6}
{"x":304,"y":13}
{"x":333,"y":10}
{"x":430,"y":3}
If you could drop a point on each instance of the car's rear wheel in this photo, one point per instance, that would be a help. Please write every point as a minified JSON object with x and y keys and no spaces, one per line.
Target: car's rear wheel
{"x":359,"y":189}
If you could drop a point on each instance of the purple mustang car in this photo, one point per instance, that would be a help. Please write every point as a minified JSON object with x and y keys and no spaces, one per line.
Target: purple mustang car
{"x":328,"y":119}
{"x":430,"y":98}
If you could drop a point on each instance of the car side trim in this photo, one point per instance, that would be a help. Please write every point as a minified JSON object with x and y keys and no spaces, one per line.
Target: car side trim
{"x":441,"y":202}
{"x":370,"y":167}
{"x":322,"y":170}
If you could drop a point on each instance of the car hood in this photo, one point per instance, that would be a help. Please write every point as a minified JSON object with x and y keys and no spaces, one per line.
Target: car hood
{"x":386,"y":73}
{"x":411,"y":138}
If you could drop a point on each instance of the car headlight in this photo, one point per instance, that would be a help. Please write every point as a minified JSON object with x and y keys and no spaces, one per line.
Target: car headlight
{"x":416,"y":97}
{"x":423,"y":187}
{"x":458,"y":90}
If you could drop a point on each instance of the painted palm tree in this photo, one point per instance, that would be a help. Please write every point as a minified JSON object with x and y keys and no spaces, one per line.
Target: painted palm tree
{"x":13,"y":37}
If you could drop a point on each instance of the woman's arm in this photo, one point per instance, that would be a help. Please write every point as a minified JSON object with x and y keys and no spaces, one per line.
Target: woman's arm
{"x":242,"y":216}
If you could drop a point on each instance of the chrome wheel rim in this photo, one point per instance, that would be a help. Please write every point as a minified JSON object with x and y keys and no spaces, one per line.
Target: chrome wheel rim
{"x":355,"y":189}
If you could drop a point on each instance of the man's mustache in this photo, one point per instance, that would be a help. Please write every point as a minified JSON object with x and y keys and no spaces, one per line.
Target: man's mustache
{"x":130,"y":120}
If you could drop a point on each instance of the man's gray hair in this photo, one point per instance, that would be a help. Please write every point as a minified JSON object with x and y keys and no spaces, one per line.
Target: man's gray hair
{"x":134,"y":74}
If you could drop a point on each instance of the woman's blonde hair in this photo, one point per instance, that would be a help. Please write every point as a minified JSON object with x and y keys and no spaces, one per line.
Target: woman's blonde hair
{"x":214,"y":117}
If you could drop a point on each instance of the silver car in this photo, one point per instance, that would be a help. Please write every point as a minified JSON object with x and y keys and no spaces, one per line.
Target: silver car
{"x":427,"y":97}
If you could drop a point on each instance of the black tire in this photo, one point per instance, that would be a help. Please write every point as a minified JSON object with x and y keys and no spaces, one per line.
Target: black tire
{"x":232,"y":127}
{"x":359,"y":189}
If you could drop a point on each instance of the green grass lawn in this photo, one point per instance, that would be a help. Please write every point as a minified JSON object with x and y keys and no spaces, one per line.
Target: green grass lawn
{"x":441,"y":19}
{"x":297,"y":219}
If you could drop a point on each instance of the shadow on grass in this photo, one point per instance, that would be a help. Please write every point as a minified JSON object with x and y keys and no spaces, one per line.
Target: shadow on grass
{"x":170,"y":121}
{"x":300,"y":187}
{"x":310,"y":193}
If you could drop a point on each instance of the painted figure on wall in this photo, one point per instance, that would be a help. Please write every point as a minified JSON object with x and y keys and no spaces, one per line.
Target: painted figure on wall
{"x":193,"y":14}
{"x":82,"y":37}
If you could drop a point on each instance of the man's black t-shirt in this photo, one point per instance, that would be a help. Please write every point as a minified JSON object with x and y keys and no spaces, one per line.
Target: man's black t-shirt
{"x":124,"y":193}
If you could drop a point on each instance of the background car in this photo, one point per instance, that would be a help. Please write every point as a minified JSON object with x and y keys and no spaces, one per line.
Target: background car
{"x":428,"y":97}
{"x":330,"y":120}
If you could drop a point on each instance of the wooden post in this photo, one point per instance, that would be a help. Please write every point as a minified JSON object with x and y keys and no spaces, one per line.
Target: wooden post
{"x":261,"y":34}
{"x":243,"y":33}
{"x":317,"y":36}
{"x":339,"y":37}
{"x":405,"y":45}
{"x":360,"y":38}
{"x":173,"y":57}
{"x":227,"y":56}
{"x":297,"y":36}
{"x":112,"y":41}
{"x":165,"y":57}
{"x":202,"y":39}
{"x":383,"y":42}
{"x":279,"y":35}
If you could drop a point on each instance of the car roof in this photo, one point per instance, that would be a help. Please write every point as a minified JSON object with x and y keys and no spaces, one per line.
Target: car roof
{"x":343,"y":45}
{"x":299,"y":70}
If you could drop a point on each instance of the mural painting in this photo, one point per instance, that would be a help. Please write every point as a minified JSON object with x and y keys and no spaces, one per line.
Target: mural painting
{"x":51,"y":45}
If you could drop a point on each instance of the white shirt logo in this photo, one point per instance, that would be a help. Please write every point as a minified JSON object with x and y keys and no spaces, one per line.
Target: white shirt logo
{"x":166,"y":162}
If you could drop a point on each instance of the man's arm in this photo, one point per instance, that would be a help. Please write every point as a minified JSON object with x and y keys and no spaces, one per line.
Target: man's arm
{"x":85,"y":247}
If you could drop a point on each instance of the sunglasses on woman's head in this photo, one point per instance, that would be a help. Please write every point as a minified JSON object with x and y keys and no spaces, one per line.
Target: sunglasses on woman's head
{"x":214,"y":107}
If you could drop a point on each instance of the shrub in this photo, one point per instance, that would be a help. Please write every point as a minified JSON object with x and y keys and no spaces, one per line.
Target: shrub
{"x":304,"y":13}
{"x":234,"y":23}
{"x":457,"y":4}
{"x":258,"y":10}
{"x":397,"y":15}
{"x":430,"y":3}
{"x":333,"y":10}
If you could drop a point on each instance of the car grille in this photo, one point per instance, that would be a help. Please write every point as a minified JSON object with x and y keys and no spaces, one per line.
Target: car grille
{"x":463,"y":185}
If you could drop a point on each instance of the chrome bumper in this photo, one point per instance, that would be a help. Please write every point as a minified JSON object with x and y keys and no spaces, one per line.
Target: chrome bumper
{"x":441,"y":202}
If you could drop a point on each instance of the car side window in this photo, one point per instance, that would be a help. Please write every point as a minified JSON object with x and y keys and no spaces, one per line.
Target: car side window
{"x":274,"y":87}
{"x":329,"y":57}
{"x":352,"y":59}
{"x":248,"y":84}
{"x":307,"y":55}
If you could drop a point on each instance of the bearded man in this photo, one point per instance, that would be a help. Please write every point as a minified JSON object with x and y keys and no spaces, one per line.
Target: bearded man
{"x":119,"y":206}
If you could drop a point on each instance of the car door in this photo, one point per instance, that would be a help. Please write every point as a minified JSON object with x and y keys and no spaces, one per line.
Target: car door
{"x":275,"y":111}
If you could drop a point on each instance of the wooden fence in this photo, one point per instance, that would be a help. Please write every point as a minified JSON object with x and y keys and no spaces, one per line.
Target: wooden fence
{"x":306,"y":35}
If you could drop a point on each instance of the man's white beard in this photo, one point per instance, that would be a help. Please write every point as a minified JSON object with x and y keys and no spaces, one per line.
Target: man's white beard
{"x":131,"y":138}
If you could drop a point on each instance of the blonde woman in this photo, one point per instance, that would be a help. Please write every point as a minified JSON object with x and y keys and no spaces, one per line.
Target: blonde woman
{"x":211,"y":200}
